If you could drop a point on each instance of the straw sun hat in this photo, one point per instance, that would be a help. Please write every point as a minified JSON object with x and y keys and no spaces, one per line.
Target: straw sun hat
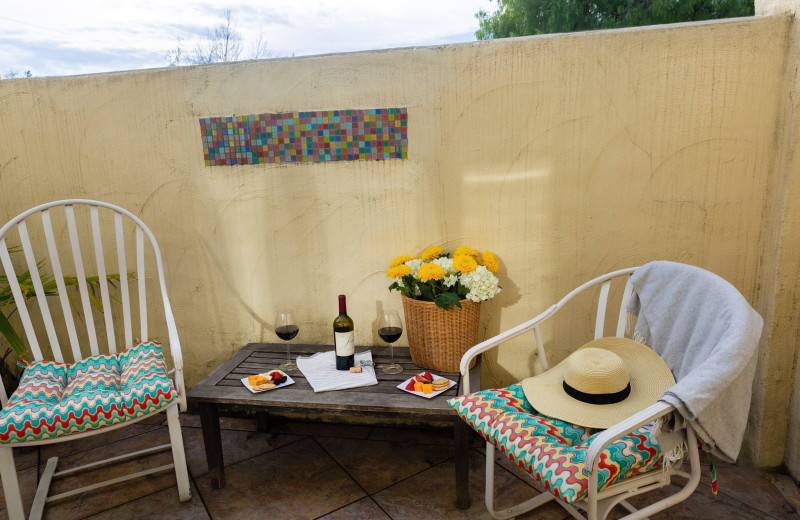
{"x":601,"y":383}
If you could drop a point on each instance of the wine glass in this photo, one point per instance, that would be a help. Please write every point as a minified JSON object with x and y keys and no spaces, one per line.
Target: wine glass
{"x":287,"y":327}
{"x":390,"y":328}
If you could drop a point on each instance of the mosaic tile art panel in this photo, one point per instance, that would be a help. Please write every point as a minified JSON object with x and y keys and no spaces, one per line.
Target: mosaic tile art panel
{"x":314,"y":136}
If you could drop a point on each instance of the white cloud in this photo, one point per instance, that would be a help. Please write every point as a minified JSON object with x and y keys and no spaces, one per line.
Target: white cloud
{"x":54,"y":37}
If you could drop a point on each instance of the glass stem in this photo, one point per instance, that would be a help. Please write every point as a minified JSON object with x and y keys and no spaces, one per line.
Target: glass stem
{"x":288,"y":357}
{"x":391,"y":349}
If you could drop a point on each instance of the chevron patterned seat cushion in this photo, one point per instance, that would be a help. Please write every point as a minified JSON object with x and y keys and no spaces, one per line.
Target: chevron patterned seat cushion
{"x":55,"y":399}
{"x":552,"y":451}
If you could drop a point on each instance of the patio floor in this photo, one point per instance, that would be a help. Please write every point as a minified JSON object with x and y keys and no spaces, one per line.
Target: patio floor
{"x":330,"y":471}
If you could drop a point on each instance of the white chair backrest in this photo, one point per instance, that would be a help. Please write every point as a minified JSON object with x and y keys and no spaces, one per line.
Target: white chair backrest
{"x":605,"y":282}
{"x":59,"y":228}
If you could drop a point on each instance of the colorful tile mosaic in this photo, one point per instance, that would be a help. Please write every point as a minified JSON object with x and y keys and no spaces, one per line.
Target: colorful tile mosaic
{"x":326,"y":135}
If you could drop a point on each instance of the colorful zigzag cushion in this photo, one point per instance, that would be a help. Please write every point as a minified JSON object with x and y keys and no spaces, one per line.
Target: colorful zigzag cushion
{"x":55,"y":399}
{"x":551,"y":450}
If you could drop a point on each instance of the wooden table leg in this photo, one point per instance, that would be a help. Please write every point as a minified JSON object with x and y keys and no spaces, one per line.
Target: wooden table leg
{"x":462,"y":435}
{"x":209,"y":421}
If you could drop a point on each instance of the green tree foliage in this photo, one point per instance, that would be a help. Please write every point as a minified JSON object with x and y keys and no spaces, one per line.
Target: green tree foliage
{"x":524,"y":17}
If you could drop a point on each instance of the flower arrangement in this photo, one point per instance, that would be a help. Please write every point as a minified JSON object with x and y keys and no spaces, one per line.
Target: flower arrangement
{"x":437,"y":277}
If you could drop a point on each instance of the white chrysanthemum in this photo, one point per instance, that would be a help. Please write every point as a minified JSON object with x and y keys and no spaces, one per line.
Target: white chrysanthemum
{"x":446,"y":264}
{"x":414,"y":264}
{"x":482,"y":284}
{"x":417,"y":292}
{"x":450,"y":280}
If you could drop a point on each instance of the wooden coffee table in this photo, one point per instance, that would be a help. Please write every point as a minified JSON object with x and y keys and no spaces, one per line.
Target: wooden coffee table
{"x":223,"y":390}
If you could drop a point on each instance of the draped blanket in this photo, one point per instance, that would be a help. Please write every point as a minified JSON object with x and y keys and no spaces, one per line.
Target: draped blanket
{"x":708,"y":335}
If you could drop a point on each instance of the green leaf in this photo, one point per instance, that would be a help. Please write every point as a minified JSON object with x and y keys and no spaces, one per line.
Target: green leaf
{"x":427,"y":292}
{"x":11,"y":336}
{"x":461,"y":291}
{"x":446,"y":300}
{"x":95,"y":302}
{"x":407,"y":288}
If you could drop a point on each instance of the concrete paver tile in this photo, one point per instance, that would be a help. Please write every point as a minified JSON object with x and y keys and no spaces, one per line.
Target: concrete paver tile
{"x":296,"y":481}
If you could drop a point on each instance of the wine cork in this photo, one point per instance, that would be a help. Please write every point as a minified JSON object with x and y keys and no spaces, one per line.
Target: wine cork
{"x":355,"y":370}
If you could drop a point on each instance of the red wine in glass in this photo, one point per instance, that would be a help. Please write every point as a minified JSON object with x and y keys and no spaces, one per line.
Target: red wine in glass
{"x":286,"y":328}
{"x":390,"y":328}
{"x":288,"y":332}
{"x":390,"y":334}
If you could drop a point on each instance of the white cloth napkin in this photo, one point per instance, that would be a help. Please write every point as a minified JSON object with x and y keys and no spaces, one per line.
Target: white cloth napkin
{"x":320,"y":370}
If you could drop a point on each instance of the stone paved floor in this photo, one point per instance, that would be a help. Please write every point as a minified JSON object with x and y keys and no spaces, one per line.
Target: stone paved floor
{"x":326,"y":471}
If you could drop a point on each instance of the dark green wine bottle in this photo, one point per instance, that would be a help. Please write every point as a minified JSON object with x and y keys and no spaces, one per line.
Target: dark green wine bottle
{"x":344,"y":337}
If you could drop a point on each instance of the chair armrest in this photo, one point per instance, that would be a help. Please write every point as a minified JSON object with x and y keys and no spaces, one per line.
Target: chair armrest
{"x":174,"y":342}
{"x":619,"y":430}
{"x":496,"y":341}
{"x":177,"y":355}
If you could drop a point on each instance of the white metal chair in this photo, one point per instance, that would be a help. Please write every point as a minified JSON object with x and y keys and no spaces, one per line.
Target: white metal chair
{"x":596,"y":501}
{"x":120,"y":380}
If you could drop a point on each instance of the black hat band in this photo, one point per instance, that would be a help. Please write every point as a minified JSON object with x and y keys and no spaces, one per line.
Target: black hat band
{"x":611,"y":398}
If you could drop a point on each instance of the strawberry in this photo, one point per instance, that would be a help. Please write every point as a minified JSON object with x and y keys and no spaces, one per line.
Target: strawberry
{"x":419,"y":378}
{"x":428,"y":376}
{"x":410,"y":385}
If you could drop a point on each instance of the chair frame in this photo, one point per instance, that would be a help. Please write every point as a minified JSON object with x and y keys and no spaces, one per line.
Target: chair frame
{"x":7,"y":468}
{"x":598,"y":503}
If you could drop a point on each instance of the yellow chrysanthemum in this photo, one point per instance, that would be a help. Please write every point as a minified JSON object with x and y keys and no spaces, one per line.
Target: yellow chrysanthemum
{"x":429,"y":272}
{"x":431,"y":253}
{"x":464,"y":264}
{"x":491,"y":262}
{"x":400,"y":260}
{"x":468,"y":251}
{"x":398,"y":271}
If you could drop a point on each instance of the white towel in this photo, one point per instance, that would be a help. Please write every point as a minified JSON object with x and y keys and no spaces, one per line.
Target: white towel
{"x":708,"y":335}
{"x":320,"y":370}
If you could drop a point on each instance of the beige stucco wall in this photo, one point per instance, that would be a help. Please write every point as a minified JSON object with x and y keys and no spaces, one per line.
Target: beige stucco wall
{"x":783,"y":372}
{"x":568,"y":156}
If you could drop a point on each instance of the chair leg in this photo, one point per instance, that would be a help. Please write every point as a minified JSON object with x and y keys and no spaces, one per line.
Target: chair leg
{"x":40,"y":500}
{"x":8,"y":473}
{"x":510,"y":512}
{"x":178,"y":455}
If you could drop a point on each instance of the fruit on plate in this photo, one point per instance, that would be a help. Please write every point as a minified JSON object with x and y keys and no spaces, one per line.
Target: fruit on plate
{"x":273,"y":377}
{"x":277,"y":377}
{"x":425,"y":377}
{"x":410,"y":385}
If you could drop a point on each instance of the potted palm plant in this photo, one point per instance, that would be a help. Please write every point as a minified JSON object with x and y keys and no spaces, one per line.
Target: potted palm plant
{"x":10,"y":366}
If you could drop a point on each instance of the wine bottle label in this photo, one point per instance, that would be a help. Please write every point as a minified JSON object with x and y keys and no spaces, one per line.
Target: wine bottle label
{"x":345,"y":343}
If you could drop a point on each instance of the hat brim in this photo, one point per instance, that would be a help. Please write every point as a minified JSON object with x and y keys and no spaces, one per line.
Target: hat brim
{"x":649,"y":375}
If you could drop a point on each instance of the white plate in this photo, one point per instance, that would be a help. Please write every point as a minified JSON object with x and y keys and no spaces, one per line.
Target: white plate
{"x":289,"y":381}
{"x":402,"y":386}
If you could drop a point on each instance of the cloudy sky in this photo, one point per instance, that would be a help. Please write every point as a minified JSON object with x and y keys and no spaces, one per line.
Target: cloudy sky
{"x":55,"y":37}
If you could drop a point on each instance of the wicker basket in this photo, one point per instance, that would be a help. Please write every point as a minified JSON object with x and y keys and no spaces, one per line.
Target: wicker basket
{"x":438,"y":338}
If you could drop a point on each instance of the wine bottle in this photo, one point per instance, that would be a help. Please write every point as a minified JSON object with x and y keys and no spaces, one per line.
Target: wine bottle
{"x":343,"y":337}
